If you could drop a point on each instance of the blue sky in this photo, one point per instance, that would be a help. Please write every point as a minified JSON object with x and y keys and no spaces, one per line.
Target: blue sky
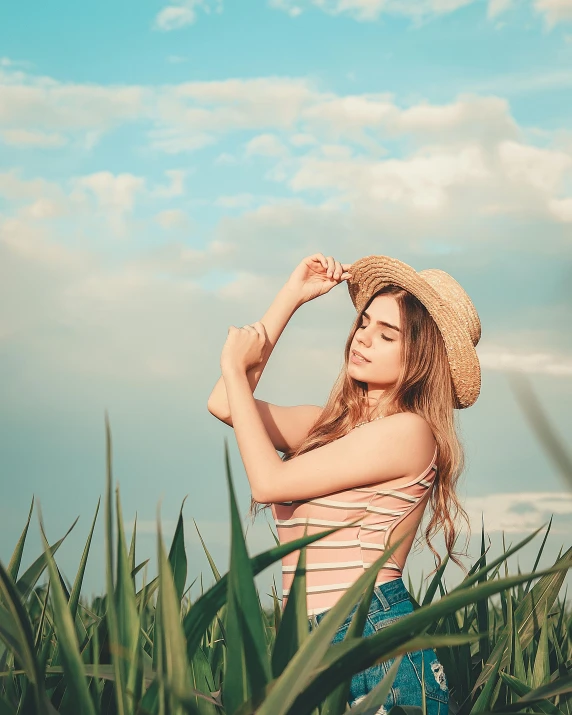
{"x":163,"y":169}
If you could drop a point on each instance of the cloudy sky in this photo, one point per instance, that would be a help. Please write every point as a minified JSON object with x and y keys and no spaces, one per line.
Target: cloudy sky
{"x":164,"y":168}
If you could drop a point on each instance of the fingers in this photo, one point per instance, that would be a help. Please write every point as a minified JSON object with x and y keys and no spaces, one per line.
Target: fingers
{"x":331,"y":266}
{"x":258,"y":327}
{"x":334,"y":269}
{"x":322,"y":259}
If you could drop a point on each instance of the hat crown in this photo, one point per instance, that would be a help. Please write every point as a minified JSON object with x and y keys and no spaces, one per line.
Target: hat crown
{"x":447,"y":303}
{"x":456,"y":298}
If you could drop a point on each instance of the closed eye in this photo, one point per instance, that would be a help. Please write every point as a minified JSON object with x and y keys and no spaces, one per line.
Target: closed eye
{"x":389,"y":340}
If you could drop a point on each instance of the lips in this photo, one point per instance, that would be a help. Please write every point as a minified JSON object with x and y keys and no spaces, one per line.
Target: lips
{"x":356,"y":352}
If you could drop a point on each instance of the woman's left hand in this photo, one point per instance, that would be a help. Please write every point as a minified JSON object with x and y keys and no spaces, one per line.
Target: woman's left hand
{"x":244,"y":347}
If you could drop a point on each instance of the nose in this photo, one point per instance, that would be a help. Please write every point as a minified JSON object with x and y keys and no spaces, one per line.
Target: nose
{"x":362,"y":336}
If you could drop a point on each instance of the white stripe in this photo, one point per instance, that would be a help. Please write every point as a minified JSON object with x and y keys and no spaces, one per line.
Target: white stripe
{"x":339,"y":504}
{"x":376,"y":527}
{"x":311,"y":522}
{"x":398,"y":495}
{"x":380,"y":510}
{"x":322,"y":589}
{"x":325,"y":589}
{"x":329,"y":544}
{"x":365,"y":545}
{"x":425,"y":482}
{"x":328,"y":566}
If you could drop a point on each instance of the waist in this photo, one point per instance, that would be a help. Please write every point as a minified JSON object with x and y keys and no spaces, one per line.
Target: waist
{"x":384,"y":596}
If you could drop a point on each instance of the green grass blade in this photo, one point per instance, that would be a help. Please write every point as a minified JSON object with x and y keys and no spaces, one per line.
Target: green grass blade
{"x":477,"y":576}
{"x":76,"y":590}
{"x":202,"y":680}
{"x":540,"y":550}
{"x":6,"y":708}
{"x":205,"y":608}
{"x":178,"y":556}
{"x":521,"y":689}
{"x":293,"y":629}
{"x":482,"y":608}
{"x":541,"y":668}
{"x":210,"y":559}
{"x":342,"y":662}
{"x":28,"y":580}
{"x":432,"y":588}
{"x":133,"y":568}
{"x":248,"y":663}
{"x":482,"y":703}
{"x":75,"y":676}
{"x":295,"y":676}
{"x":374,"y":700}
{"x":15,"y":561}
{"x":128,"y":621}
{"x":176,"y":665}
{"x":526,"y":616}
{"x":16,"y":632}
{"x":560,"y":686}
{"x":336,"y":702}
{"x":117,"y":659}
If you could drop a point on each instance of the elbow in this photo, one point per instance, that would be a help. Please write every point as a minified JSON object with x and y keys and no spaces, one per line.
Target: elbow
{"x":217,"y":412}
{"x":261,"y":496}
{"x":264,"y":494}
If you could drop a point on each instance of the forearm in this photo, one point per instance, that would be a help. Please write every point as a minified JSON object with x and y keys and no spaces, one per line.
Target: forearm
{"x":274,"y":320}
{"x":261,"y":462}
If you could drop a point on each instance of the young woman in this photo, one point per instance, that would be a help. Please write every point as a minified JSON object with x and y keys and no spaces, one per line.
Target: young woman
{"x":410,"y":359}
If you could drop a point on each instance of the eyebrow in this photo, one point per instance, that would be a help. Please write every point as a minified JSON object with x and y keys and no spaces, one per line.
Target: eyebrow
{"x":382,"y":322}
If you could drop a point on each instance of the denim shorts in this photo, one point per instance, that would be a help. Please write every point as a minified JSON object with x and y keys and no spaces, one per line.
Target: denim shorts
{"x":390,"y":602}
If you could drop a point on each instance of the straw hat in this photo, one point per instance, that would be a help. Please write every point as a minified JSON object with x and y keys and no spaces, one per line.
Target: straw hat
{"x":448,"y":304}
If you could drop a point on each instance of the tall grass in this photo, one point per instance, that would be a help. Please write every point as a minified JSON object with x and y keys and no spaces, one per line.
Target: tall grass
{"x":505,"y":642}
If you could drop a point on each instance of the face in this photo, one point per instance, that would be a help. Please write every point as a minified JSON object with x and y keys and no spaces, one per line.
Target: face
{"x":378,"y":343}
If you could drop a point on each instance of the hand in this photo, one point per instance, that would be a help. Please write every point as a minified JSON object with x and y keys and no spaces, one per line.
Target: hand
{"x":244,"y":347}
{"x":316,"y":275}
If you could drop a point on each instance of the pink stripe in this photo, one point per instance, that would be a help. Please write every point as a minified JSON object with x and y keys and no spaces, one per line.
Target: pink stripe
{"x":325,"y":580}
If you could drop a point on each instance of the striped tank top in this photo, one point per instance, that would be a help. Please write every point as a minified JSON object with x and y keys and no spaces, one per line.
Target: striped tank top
{"x":335,"y":562}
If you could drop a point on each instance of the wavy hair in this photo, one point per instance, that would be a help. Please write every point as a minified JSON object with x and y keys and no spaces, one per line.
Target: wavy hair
{"x":425,"y":387}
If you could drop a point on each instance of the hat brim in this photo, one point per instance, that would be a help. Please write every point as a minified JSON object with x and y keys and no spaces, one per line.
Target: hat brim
{"x":371,"y":273}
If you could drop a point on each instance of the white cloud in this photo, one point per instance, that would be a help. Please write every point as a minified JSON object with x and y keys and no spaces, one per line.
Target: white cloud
{"x":519,"y":512}
{"x":184,"y":13}
{"x":418,"y":10}
{"x":172,"y":219}
{"x":174,"y":140}
{"x":175,"y":188}
{"x":265,"y":145}
{"x":300,"y":140}
{"x":561,"y":209}
{"x":235,"y":201}
{"x":370,"y":10}
{"x":497,"y":7}
{"x":421,"y":181}
{"x":114,"y":192}
{"x":44,"y":104}
{"x":174,"y":17}
{"x":497,"y":357}
{"x":32,"y":139}
{"x":287,"y":6}
{"x":541,"y":168}
{"x":555,"y":11}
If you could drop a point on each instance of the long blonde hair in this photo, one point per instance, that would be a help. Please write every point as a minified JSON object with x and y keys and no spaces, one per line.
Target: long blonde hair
{"x":425,"y":387}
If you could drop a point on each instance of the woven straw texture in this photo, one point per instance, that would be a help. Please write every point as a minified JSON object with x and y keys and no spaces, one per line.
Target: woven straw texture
{"x":448,"y":304}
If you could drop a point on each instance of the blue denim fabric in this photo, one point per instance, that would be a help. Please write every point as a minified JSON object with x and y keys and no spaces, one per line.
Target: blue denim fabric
{"x":390,"y":602}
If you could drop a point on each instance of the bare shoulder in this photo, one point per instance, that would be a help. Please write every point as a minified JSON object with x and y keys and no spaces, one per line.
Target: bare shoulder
{"x":411,"y":435}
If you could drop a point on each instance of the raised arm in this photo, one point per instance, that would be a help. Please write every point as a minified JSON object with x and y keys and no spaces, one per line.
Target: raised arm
{"x":285,"y":304}
{"x":315,"y":275}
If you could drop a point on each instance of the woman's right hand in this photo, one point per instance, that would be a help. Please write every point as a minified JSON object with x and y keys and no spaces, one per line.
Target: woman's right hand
{"x":316,"y":275}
